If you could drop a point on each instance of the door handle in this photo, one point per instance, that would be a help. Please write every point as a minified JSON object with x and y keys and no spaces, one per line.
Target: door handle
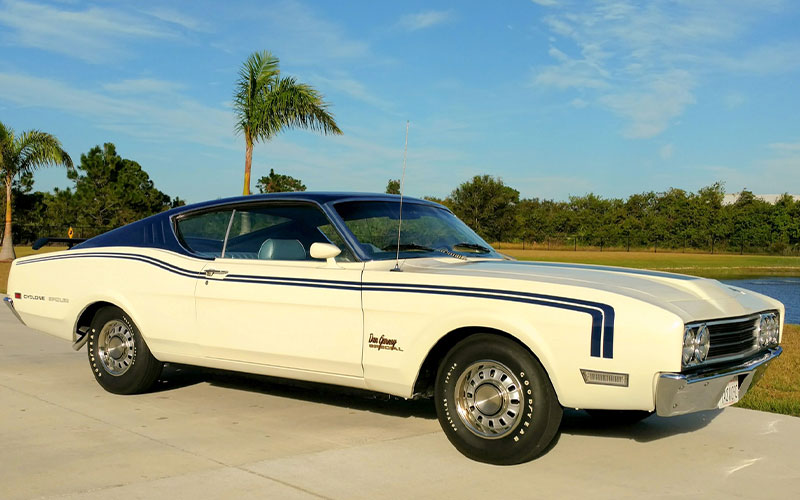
{"x":211,"y":272}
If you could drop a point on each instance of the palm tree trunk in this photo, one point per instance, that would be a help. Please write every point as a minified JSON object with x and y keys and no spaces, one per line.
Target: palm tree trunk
{"x":248,"y":160}
{"x":7,"y":251}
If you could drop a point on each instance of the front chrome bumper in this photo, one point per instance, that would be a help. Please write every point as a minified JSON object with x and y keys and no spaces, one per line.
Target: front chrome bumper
{"x":10,"y":303}
{"x":677,"y":393}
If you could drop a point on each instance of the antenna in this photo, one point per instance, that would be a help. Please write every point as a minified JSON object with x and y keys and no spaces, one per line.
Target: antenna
{"x":402,"y":186}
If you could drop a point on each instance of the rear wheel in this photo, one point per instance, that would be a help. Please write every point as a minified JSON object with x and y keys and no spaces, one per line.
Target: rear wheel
{"x":495,"y":402}
{"x":120,"y":359}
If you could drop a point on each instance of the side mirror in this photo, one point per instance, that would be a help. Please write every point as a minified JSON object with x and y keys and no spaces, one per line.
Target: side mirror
{"x":325,"y":251}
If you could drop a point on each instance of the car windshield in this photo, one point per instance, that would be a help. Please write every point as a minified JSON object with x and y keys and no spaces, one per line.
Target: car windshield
{"x":426,"y":231}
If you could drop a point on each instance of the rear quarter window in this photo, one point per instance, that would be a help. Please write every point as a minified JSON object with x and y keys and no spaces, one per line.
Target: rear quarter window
{"x":204,"y":233}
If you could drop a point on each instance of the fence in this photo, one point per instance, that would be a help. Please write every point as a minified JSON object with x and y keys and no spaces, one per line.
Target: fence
{"x":636,"y":244}
{"x":25,"y":234}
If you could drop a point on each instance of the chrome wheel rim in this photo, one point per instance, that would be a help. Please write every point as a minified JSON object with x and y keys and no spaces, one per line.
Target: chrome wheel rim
{"x":489,"y":399}
{"x":115,"y":347}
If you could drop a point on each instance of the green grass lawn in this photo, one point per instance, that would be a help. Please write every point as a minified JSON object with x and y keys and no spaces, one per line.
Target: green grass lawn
{"x":779,"y":389}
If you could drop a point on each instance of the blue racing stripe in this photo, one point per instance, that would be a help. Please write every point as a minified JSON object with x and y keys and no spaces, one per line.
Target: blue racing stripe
{"x":602,"y":330}
{"x":607,"y":319}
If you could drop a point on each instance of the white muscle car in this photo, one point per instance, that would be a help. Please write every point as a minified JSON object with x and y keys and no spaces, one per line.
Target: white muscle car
{"x":332,"y":287}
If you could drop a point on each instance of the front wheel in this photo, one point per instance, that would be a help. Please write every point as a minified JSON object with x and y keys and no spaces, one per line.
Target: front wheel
{"x":495,"y":401}
{"x":121,"y":361}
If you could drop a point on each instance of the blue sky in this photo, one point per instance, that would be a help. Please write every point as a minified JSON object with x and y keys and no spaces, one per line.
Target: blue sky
{"x":556,"y":97}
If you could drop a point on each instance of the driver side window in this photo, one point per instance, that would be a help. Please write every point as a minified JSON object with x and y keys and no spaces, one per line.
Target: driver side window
{"x":270,"y":231}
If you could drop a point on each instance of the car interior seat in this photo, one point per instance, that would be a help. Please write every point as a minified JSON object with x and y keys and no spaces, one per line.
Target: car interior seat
{"x":275,"y":249}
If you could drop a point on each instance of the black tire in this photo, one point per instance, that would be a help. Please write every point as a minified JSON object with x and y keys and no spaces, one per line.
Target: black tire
{"x":487,"y":425}
{"x":619,"y":417}
{"x":120,"y":359}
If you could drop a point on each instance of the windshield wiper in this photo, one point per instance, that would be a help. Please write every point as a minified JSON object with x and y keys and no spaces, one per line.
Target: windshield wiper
{"x":423,"y":248}
{"x":473,"y":246}
{"x":409,"y":246}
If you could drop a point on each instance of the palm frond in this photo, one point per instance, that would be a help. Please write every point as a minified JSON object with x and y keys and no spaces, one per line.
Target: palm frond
{"x":35,"y":149}
{"x":6,"y":134}
{"x":293,"y":105}
{"x":266,"y":103}
{"x":6,"y":147}
{"x":255,"y":76}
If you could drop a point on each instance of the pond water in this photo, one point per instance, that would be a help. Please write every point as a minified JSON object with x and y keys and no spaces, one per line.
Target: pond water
{"x":787,"y":290}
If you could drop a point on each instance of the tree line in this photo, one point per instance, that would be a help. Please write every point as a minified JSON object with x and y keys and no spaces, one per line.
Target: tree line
{"x":671,"y":220}
{"x":107,"y":191}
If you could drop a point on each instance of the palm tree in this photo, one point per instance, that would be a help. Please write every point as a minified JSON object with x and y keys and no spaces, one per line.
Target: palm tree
{"x":18,"y":155}
{"x":266,"y":103}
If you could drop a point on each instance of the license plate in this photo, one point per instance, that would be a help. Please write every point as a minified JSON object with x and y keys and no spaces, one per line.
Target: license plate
{"x":730,"y":395}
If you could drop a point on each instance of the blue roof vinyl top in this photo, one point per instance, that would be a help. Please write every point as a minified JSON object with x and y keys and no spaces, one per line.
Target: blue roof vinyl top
{"x":320,"y":197}
{"x":156,"y":231}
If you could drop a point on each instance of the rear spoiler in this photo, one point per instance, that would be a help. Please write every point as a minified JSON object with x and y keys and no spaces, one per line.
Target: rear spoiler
{"x":69,"y":241}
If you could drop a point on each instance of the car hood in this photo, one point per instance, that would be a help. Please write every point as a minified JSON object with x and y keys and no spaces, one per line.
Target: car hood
{"x":690,"y":297}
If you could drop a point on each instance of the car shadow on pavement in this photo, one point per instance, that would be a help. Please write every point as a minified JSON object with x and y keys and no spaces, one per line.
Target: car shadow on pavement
{"x":178,"y":376}
{"x":652,"y":428}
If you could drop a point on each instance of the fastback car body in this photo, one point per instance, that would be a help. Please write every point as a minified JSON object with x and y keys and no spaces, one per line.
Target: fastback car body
{"x":314,"y":286}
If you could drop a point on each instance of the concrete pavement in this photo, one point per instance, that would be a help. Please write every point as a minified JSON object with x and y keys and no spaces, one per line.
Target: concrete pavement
{"x":209,"y":434}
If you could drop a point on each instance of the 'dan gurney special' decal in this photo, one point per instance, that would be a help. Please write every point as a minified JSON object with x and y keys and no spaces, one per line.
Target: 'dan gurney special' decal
{"x":383,"y":343}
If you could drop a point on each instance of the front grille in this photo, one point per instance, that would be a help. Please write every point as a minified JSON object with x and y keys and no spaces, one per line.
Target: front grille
{"x":733,"y":337}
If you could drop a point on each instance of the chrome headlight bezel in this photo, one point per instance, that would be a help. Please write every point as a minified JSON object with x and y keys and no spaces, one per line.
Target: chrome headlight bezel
{"x":765,"y":328}
{"x":687,"y":355}
{"x":696,"y":344}
{"x":702,"y":343}
{"x":769,"y":327}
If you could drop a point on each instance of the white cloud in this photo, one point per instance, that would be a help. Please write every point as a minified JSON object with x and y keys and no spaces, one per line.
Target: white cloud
{"x":785,"y":146}
{"x":650,"y":108}
{"x":666,"y":151}
{"x":774,"y":59}
{"x":571,"y":74}
{"x":354,"y":88}
{"x":558,"y":55}
{"x":775,"y":172}
{"x":178,"y":18}
{"x":93,"y":34}
{"x":578,"y":103}
{"x":643,"y":61}
{"x":734,"y":100}
{"x":143,"y":86}
{"x":422,"y":20}
{"x":159,"y":118}
{"x":310,"y":39}
{"x":545,"y":3}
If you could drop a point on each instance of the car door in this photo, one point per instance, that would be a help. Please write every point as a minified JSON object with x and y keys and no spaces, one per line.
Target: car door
{"x":264,"y":300}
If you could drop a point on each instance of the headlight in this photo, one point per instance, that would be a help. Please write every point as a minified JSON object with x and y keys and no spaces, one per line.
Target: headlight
{"x":702,"y":343}
{"x":776,"y":331}
{"x":688,"y":346}
{"x":768,"y":330}
{"x":696,"y":344}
